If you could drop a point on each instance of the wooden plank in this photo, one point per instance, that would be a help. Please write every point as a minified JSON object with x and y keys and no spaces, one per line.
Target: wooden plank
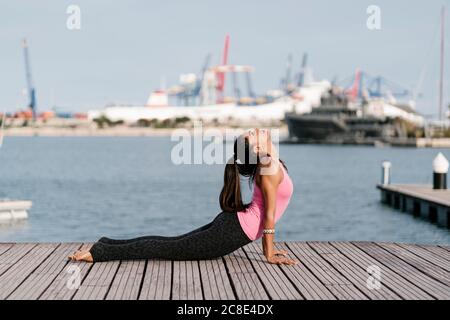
{"x":22,"y":268}
{"x":157,"y":280}
{"x":419,"y":263}
{"x":127,"y":281}
{"x":352,"y":271}
{"x":97,"y":283}
{"x":14,"y":254}
{"x":431,"y":257}
{"x":5,"y":247}
{"x":244,"y":279}
{"x":330,"y":277}
{"x":178,"y":288}
{"x":215,"y":282}
{"x":307,"y":283}
{"x":445,"y":247}
{"x":43,"y":276}
{"x":409,"y":272}
{"x":389,"y":278}
{"x":186,"y":283}
{"x":444,"y":254}
{"x":194,"y":277}
{"x":277,"y":284}
{"x":63,"y":286}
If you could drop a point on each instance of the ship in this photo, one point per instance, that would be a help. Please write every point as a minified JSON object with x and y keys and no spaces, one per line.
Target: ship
{"x":339,"y":119}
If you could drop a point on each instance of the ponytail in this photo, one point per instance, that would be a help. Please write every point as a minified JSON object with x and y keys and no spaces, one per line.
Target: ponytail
{"x":230,"y":198}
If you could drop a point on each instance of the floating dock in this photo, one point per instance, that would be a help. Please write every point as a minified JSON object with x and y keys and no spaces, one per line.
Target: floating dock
{"x":419,"y":200}
{"x":326,"y":271}
{"x":14,"y":210}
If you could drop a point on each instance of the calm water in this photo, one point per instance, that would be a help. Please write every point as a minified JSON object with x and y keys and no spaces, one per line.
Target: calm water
{"x":83,"y":188}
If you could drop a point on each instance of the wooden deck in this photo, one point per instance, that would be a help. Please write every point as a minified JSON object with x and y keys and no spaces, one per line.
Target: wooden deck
{"x":424,"y":192}
{"x":327,"y":270}
{"x":419,"y":200}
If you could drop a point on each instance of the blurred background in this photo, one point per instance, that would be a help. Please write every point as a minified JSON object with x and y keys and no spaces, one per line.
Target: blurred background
{"x":91,"y":92}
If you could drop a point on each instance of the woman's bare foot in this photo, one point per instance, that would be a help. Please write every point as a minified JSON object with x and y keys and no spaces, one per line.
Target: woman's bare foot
{"x":82,"y":255}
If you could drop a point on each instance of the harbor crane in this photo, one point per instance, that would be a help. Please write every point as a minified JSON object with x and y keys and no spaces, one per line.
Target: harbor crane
{"x":30,"y":86}
{"x":301,"y":75}
{"x":191,"y":87}
{"x":221,"y":75}
{"x":374,"y":86}
{"x":208,"y":87}
{"x":289,"y":82}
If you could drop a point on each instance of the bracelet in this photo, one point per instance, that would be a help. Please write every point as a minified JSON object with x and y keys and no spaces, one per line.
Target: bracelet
{"x":270,"y":231}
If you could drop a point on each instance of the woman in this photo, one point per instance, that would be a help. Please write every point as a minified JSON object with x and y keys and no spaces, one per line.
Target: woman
{"x":236,"y":226}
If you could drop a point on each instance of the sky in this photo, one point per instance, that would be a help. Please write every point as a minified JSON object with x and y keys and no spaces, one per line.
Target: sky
{"x":124,"y":49}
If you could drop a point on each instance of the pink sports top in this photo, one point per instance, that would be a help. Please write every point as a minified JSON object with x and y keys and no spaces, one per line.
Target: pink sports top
{"x":252,"y":219}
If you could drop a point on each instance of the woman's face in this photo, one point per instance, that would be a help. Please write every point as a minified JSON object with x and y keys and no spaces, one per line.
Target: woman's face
{"x":260,"y":140}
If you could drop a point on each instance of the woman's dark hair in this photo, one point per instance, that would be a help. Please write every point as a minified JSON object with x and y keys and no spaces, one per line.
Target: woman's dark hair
{"x":243,"y":163}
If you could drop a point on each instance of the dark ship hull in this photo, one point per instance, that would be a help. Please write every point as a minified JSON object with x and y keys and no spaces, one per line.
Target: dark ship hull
{"x":337,"y":120}
{"x":321,"y":128}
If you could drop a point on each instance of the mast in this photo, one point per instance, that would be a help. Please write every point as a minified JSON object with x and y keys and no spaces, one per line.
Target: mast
{"x":441,"y":79}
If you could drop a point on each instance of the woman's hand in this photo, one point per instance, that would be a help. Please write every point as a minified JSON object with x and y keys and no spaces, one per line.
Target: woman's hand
{"x":281,"y":252}
{"x":275,"y":259}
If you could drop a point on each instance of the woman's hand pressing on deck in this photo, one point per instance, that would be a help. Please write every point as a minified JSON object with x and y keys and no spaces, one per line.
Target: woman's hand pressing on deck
{"x":276,"y":259}
{"x":280,"y":253}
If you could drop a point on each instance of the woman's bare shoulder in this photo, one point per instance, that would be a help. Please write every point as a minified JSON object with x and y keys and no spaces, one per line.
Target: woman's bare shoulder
{"x":272,"y":174}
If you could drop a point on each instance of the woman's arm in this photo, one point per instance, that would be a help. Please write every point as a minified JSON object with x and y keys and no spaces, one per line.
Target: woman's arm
{"x":269,"y":187}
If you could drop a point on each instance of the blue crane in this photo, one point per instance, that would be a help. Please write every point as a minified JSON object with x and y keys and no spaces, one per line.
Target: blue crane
{"x":30,"y":86}
{"x":301,"y":75}
{"x":190,"y":93}
{"x":198,"y":87}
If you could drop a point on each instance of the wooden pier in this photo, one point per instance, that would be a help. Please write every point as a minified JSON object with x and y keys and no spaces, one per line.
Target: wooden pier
{"x":419,"y":200}
{"x":327,"y":270}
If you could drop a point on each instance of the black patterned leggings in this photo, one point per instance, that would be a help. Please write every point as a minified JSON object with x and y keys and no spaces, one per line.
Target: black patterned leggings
{"x":220,"y":237}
